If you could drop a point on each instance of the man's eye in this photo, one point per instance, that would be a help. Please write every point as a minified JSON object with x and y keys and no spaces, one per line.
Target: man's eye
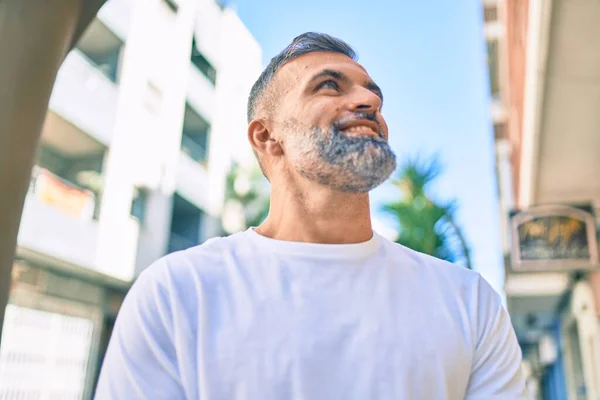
{"x":329,"y":84}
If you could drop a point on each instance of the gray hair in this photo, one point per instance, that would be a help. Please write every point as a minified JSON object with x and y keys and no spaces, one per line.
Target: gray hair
{"x":308,"y":42}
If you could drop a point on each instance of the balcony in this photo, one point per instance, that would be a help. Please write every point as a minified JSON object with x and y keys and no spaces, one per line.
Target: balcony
{"x":58,"y":214}
{"x":86,"y":92}
{"x":192,"y":180}
{"x":202,"y":64}
{"x":194,"y":150}
{"x":62,"y":203}
{"x":102,"y":47}
{"x":490,"y":13}
{"x":493,"y":62}
{"x":85,"y":97}
{"x":208,"y":30}
{"x":494,"y":30}
{"x":194,"y":138}
{"x":116,"y":14}
{"x":185,"y":225}
{"x":201,"y":93}
{"x":532,"y":300}
{"x":192,"y":176}
{"x":498,"y":111}
{"x":59,"y":222}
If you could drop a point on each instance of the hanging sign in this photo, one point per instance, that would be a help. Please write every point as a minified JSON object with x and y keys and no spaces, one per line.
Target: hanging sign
{"x":554,"y":238}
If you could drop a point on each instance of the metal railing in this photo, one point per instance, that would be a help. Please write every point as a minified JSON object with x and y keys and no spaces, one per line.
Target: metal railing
{"x":193,"y":149}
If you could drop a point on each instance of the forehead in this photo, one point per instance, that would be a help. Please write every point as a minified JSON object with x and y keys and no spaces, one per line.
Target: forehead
{"x":306,"y":66}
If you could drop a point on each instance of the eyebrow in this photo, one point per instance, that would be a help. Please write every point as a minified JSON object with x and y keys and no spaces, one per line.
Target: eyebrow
{"x":330,"y":73}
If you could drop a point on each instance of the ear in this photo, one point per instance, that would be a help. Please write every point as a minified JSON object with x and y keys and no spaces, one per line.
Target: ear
{"x":259,"y":135}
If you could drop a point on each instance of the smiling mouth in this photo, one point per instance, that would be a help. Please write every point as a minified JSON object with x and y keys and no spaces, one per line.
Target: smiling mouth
{"x":360,"y":127}
{"x":359,"y":130}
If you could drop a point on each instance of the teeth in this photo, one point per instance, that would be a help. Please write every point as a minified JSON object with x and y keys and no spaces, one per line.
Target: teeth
{"x":359,"y":129}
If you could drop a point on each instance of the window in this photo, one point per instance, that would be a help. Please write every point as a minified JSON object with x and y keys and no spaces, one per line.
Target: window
{"x":492,"y":48}
{"x":102,"y":48}
{"x":172,"y":5}
{"x":203,"y":64}
{"x":186,"y":222}
{"x":490,"y":13}
{"x":576,"y":359}
{"x":138,"y":204}
{"x":194,"y":138}
{"x":498,"y":131}
{"x":71,"y":163}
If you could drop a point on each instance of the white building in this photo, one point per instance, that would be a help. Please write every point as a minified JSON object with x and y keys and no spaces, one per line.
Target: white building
{"x":146,"y":115}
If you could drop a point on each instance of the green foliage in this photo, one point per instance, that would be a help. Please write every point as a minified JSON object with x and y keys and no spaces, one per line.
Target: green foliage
{"x":249,"y":188}
{"x":425,"y":225}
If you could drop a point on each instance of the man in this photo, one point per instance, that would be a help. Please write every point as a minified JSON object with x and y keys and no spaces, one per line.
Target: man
{"x":312,"y":304}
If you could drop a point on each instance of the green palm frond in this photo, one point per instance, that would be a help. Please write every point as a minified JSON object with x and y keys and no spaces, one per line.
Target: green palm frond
{"x":425,"y":225}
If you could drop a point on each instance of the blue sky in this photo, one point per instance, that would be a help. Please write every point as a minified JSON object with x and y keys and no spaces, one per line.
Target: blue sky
{"x":429,"y":59}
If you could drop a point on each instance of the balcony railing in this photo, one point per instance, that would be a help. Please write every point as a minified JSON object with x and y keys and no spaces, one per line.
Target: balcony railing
{"x":108,"y":68}
{"x":193,"y":149}
{"x":69,"y":198}
{"x":84,"y":96}
{"x":56,"y":215}
{"x":201,"y":93}
{"x":490,"y":13}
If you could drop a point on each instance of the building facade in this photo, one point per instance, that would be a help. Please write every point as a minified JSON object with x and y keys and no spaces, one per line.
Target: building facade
{"x":544,"y":68}
{"x":146,"y":116}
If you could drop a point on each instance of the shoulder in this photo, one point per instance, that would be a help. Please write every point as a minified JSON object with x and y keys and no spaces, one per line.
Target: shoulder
{"x":205,"y":257}
{"x":458,"y":285}
{"x":433,"y":268}
{"x":182,"y":274}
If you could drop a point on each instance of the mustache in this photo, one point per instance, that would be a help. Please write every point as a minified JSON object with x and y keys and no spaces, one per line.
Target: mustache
{"x":360,"y":115}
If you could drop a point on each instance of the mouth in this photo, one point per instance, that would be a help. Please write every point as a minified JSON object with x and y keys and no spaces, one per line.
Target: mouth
{"x":361,"y":127}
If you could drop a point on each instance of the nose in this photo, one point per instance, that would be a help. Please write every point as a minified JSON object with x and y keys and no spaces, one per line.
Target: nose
{"x":365,"y":100}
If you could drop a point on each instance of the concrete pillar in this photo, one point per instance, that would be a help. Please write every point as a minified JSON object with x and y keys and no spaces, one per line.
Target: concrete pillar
{"x":34,"y":39}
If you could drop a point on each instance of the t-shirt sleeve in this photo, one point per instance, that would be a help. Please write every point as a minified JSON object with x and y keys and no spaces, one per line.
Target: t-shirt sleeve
{"x":140,"y":361}
{"x":496,"y":372}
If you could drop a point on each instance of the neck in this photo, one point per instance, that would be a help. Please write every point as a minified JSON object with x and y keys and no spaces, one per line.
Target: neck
{"x":324,"y":216}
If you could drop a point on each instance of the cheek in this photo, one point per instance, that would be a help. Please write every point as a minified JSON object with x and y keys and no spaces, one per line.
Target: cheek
{"x":322,"y":113}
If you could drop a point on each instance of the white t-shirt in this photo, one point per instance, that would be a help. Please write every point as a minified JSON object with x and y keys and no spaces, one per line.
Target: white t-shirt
{"x":248,"y":317}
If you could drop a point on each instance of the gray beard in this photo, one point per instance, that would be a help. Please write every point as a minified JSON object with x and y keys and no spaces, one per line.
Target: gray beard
{"x":355,"y":164}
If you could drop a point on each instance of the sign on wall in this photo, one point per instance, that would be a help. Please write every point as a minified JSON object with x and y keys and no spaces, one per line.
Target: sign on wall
{"x":554,"y":238}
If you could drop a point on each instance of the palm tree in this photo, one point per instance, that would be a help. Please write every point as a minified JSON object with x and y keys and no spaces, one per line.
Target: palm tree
{"x":425,"y":225}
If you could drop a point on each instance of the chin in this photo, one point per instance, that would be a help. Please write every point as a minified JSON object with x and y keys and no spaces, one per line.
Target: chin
{"x":351,"y":167}
{"x":364,"y":186}
{"x":350,"y":179}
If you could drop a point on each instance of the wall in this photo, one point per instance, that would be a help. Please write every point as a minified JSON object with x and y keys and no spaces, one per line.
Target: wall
{"x":516,"y":24}
{"x":85,"y":97}
{"x":47,"y":230}
{"x":240,"y":66}
{"x":208,"y":29}
{"x":156,"y":80}
{"x":147,"y":131}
